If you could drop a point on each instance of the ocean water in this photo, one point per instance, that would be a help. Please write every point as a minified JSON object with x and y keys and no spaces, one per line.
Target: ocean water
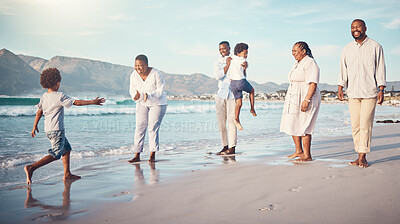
{"x":101,"y":134}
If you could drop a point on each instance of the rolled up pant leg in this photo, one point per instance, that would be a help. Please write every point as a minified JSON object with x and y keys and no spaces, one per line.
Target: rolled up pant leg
{"x":362,"y":112}
{"x":156,"y":115}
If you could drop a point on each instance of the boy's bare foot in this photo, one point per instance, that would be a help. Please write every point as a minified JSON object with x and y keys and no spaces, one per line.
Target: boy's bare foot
{"x":354,"y":163}
{"x":29,"y":173}
{"x":294,"y":155}
{"x":134,"y":160}
{"x":71,"y":176}
{"x":252,"y":111}
{"x":238,"y":125}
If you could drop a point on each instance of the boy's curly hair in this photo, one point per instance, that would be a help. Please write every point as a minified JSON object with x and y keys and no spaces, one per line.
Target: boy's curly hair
{"x":50,"y":77}
{"x":240,"y":47}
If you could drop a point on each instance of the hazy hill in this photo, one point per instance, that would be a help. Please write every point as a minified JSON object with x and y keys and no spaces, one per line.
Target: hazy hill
{"x":19,"y":75}
{"x":35,"y":62}
{"x":84,"y":75}
{"x":16,"y":76}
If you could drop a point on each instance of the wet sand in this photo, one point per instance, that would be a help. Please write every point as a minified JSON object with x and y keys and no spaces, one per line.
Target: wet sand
{"x":257,"y":185}
{"x":274,"y":190}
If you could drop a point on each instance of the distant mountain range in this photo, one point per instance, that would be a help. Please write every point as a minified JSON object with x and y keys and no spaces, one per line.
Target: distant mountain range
{"x":20,"y":74}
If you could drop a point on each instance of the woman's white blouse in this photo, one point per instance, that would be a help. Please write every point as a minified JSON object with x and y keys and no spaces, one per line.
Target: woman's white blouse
{"x":153,"y":86}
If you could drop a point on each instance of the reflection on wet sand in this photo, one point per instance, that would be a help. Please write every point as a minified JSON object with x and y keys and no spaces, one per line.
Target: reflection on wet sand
{"x":51,"y":212}
{"x":154,"y":175}
{"x":228,"y":159}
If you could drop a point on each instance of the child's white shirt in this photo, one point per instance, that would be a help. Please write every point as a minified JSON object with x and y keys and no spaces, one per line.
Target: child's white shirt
{"x":236,"y":70}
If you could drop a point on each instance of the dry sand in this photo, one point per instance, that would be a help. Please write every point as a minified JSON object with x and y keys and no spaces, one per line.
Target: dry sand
{"x":326,"y":190}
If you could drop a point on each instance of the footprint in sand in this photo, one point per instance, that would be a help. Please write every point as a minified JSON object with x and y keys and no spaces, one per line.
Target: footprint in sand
{"x":296,"y":189}
{"x":268,"y":208}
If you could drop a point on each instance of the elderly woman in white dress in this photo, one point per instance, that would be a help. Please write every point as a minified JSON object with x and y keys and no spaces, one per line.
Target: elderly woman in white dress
{"x":302,"y":101}
{"x":147,"y":90}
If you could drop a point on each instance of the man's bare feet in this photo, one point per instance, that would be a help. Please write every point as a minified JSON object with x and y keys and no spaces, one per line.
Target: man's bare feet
{"x":71,"y":176}
{"x":134,"y":160}
{"x":238,"y":125}
{"x":252,"y":111}
{"x":295,"y":155}
{"x":29,"y":173}
{"x":223,"y":150}
{"x":230,"y":151}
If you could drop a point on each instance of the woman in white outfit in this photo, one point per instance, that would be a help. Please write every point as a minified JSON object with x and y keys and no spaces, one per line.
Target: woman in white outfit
{"x":147,"y":90}
{"x":302,"y":101}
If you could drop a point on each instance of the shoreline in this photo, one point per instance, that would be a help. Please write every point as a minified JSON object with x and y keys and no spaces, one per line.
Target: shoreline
{"x":326,"y":190}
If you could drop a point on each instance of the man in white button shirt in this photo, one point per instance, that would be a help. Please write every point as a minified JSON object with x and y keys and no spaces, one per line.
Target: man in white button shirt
{"x":362,"y":71}
{"x":225,"y":102}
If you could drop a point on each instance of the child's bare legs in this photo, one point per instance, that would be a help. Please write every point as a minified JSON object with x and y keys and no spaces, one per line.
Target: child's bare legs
{"x":30,"y":168}
{"x":136,"y":158}
{"x":252,"y":111}
{"x":67,"y":172}
{"x":238,"y":106}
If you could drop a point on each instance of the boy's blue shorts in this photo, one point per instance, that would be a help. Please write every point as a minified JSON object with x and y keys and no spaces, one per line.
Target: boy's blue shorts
{"x":59,"y":144}
{"x":237,"y":86}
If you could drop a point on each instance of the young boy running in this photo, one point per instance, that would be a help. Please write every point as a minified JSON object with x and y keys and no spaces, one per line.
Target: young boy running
{"x":52,"y":105}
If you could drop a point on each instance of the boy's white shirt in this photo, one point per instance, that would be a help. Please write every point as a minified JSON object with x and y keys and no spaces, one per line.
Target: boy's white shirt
{"x":52,"y":104}
{"x":236,"y":70}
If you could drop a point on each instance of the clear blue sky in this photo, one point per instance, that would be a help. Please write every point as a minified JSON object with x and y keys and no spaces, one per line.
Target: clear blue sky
{"x":182,"y":37}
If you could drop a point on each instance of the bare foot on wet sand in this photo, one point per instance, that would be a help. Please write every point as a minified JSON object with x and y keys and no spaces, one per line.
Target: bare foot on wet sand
{"x":70,"y":176}
{"x":363,"y":163}
{"x":134,"y":160}
{"x":304,"y":159}
{"x":238,"y":125}
{"x":152,"y":158}
{"x":252,"y":111}
{"x":354,"y":163}
{"x":295,"y":155}
{"x":28,"y":172}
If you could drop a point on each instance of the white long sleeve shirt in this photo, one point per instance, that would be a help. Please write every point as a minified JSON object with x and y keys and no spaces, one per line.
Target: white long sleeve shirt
{"x":236,"y":70}
{"x":224,"y":91}
{"x":153,"y":86}
{"x":362,"y":69}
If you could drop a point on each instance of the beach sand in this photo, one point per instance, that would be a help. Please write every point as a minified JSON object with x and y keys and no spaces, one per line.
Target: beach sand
{"x":272,"y":189}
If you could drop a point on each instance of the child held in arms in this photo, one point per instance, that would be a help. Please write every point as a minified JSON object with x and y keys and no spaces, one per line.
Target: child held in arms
{"x":237,"y":74}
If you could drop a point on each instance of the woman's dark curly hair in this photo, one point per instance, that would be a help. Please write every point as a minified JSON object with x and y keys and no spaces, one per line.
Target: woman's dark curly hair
{"x":240,"y":47}
{"x":50,"y":77}
{"x":304,"y":46}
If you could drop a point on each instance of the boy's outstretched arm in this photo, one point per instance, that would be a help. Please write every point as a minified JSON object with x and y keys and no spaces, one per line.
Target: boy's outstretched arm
{"x":97,"y":101}
{"x":39,"y":114}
